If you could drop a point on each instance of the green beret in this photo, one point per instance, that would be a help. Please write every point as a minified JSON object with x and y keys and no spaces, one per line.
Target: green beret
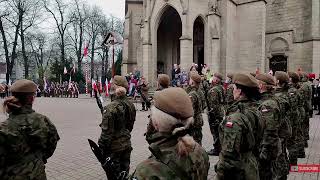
{"x":120,"y":81}
{"x":195,"y":77}
{"x":267,"y":78}
{"x":175,"y":102}
{"x":282,"y":76}
{"x":23,"y":86}
{"x":245,"y":80}
{"x":164,"y":80}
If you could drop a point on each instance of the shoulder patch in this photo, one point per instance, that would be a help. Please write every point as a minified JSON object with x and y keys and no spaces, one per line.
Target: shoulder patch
{"x":229,"y":124}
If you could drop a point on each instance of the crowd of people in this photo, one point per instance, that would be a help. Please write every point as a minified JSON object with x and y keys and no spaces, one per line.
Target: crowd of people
{"x":259,"y":123}
{"x":55,"y":89}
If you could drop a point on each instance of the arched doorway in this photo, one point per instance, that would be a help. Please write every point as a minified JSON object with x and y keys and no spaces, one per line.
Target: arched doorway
{"x":198,"y":43}
{"x":278,"y":63}
{"x":168,"y":41}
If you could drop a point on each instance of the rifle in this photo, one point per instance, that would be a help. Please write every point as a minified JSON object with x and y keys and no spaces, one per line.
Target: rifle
{"x":106,"y":162}
{"x":99,"y":100}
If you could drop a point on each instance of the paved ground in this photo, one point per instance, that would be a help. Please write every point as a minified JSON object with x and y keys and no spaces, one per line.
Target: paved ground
{"x":78,"y":119}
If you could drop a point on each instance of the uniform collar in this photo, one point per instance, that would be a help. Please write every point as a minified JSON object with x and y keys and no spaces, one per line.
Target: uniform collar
{"x":27,"y":109}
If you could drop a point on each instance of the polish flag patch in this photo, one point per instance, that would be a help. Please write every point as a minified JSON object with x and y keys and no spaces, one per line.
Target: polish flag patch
{"x":229,"y":124}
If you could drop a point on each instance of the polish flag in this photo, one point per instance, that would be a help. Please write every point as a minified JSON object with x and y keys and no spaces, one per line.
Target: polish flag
{"x":100,"y":85}
{"x":85,"y":51}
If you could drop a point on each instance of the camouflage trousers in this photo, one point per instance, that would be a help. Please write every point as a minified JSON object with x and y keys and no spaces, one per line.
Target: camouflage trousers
{"x":305,"y":126}
{"x":196,"y":133}
{"x":280,"y":167}
{"x":214,"y":123}
{"x":121,"y":160}
{"x":265,"y":172}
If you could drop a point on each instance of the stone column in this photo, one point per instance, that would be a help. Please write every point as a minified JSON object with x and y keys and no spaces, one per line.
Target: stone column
{"x":186,"y":53}
{"x":214,"y":60}
{"x":148,"y":65}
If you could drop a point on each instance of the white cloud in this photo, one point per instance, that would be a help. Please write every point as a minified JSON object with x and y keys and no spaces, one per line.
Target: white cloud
{"x":110,"y":7}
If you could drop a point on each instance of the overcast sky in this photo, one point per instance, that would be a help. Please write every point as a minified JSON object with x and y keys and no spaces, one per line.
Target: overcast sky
{"x":113,"y":7}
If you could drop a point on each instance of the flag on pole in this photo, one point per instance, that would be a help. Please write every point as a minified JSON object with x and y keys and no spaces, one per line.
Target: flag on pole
{"x":45,"y":83}
{"x":107,"y":88}
{"x":85,"y":51}
{"x":100,"y":85}
{"x":65,"y":70}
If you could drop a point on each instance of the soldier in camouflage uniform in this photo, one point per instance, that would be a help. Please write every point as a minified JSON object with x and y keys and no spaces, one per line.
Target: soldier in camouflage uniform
{"x":196,"y":99}
{"x":215,"y":111}
{"x":281,"y":165}
{"x":175,"y":155}
{"x":237,"y":134}
{"x":27,"y":139}
{"x":117,"y":123}
{"x":203,"y":90}
{"x":294,"y":83}
{"x":229,"y":90}
{"x":270,"y":115}
{"x":306,"y":90}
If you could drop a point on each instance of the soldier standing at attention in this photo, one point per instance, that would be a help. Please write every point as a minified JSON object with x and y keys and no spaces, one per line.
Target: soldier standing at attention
{"x":144,"y":92}
{"x":175,"y":154}
{"x":202,"y":90}
{"x":281,"y":165}
{"x":270,"y":115}
{"x":117,"y":123}
{"x":27,"y":139}
{"x":193,"y":92}
{"x":294,"y":80}
{"x":215,"y":111}
{"x":163,"y":82}
{"x":294,"y":116}
{"x":237,"y":136}
{"x":306,"y":90}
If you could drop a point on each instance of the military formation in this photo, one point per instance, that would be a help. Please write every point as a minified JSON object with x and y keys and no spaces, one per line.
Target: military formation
{"x":65,"y":89}
{"x":259,"y":125}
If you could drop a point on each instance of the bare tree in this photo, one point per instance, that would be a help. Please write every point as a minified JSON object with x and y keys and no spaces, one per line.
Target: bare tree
{"x":13,"y":16}
{"x":30,"y":10}
{"x":59,"y":14}
{"x":76,"y":32}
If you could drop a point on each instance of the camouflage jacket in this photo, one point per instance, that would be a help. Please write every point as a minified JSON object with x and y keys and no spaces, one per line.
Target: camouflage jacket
{"x":204,"y":88}
{"x":229,"y":94}
{"x":165,"y":163}
{"x":294,"y":97}
{"x":270,"y":114}
{"x":117,"y":123}
{"x":306,"y":90}
{"x":27,"y":140}
{"x":285,"y":130}
{"x":237,"y":137}
{"x":197,"y":106}
{"x":216,"y":101}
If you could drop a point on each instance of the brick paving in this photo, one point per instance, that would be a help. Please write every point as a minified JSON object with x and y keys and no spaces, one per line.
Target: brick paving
{"x":78,"y":119}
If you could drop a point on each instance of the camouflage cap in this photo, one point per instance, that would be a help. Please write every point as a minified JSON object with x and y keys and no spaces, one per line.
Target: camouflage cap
{"x":120,"y":81}
{"x":218,"y":75}
{"x":164,"y":80}
{"x":195,"y":77}
{"x":282,"y":76}
{"x":174,"y":101}
{"x":23,"y":86}
{"x":294,"y":76}
{"x":245,"y":80}
{"x":267,"y":78}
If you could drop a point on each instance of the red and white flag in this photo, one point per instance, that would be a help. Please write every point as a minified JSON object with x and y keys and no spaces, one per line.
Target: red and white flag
{"x":85,"y":51}
{"x":100,"y":85}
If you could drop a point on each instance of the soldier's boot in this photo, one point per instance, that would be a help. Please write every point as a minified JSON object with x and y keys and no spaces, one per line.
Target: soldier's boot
{"x":293,"y":160}
{"x":215,"y":151}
